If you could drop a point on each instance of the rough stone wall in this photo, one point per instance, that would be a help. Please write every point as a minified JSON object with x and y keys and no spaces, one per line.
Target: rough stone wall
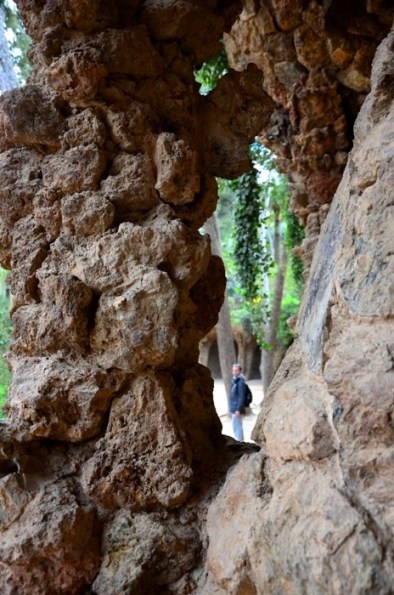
{"x":317,"y":512}
{"x":107,"y":162}
{"x":112,"y":456}
{"x":316,"y":60}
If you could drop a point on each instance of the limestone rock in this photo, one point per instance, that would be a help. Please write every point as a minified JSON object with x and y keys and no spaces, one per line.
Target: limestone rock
{"x":56,"y":527}
{"x":59,"y":321}
{"x":21,"y":178}
{"x":143,"y":461}
{"x":106,"y":263}
{"x":288,"y":550}
{"x":86,"y":213}
{"x":176,"y":167}
{"x":64,"y":401}
{"x":84,"y":127}
{"x":78,"y":169}
{"x":134,"y":329}
{"x":78,"y":75}
{"x":142,"y":551}
{"x":131,"y":125}
{"x":29,"y":249}
{"x":19,"y":129}
{"x":46,"y":209}
{"x":130,"y":185}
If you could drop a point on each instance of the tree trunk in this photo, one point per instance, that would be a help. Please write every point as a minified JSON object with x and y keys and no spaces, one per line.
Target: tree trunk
{"x":227,"y":355}
{"x":270,"y":358}
{"x":8,"y":78}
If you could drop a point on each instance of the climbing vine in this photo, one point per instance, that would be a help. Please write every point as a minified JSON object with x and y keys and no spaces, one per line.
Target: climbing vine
{"x":251,"y":255}
{"x":294,"y":235}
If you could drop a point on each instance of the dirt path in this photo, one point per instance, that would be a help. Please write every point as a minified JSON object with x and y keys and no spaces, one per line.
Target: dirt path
{"x":220,"y":400}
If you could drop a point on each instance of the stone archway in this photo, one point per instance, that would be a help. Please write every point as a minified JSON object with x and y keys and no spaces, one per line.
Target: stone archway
{"x":112,"y":453}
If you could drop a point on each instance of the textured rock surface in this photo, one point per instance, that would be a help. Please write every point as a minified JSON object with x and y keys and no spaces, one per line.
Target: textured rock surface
{"x":316,"y":60}
{"x":325,"y":515}
{"x":114,"y":476}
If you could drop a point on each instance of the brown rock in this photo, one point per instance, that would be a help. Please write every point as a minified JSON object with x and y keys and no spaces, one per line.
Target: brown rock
{"x":134,"y":328}
{"x":86,"y":213}
{"x":177,"y":177}
{"x":141,"y":551}
{"x":59,"y":321}
{"x":130,"y":126}
{"x":78,"y":75}
{"x":20,"y":173}
{"x":29,"y":249}
{"x":66,"y":401}
{"x":107,"y":263}
{"x":84,"y":126}
{"x":19,"y":129}
{"x":78,"y":169}
{"x":47,"y":212}
{"x":51,"y":547}
{"x":142,"y":462}
{"x":130,"y":185}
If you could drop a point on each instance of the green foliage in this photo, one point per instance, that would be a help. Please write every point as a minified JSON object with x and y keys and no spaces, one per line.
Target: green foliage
{"x":251,"y":206}
{"x":211,"y":71}
{"x":5,"y":335}
{"x":295,"y":233}
{"x":19,"y":41}
{"x":251,"y":255}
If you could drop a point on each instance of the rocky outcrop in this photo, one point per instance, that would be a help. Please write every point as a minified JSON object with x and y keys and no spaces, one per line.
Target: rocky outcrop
{"x":114,"y":474}
{"x":316,"y":60}
{"x":322,"y":484}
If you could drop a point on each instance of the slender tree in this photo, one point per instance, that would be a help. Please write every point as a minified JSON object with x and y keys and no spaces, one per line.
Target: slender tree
{"x":227,"y":355}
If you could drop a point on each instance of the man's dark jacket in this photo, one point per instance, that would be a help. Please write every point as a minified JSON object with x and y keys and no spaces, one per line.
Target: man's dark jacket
{"x":237,"y":394}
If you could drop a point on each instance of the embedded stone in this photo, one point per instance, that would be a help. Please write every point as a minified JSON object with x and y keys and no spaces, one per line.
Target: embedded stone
{"x":132,"y":543}
{"x":130,"y":184}
{"x":20,"y":171}
{"x":134,"y":328}
{"x":106,"y":263}
{"x":59,"y":321}
{"x":19,"y":129}
{"x":130,"y":126}
{"x":85,"y":128}
{"x":46,"y":211}
{"x":142,"y":462}
{"x":78,"y":75}
{"x":52,"y":546}
{"x":86,"y":213}
{"x":62,"y":400}
{"x":79,"y":168}
{"x":29,"y":248}
{"x":177,"y":177}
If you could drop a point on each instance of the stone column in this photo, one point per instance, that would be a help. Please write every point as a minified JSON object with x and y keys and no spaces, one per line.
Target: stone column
{"x":104,"y":188}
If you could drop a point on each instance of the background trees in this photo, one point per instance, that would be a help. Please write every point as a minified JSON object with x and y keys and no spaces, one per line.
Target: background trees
{"x":264,"y":278}
{"x":257,"y":235}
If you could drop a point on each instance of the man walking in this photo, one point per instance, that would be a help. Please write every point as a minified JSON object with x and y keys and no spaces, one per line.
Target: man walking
{"x":237,"y":401}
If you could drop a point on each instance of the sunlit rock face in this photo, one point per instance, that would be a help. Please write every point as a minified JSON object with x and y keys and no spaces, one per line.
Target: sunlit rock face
{"x":113,"y":468}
